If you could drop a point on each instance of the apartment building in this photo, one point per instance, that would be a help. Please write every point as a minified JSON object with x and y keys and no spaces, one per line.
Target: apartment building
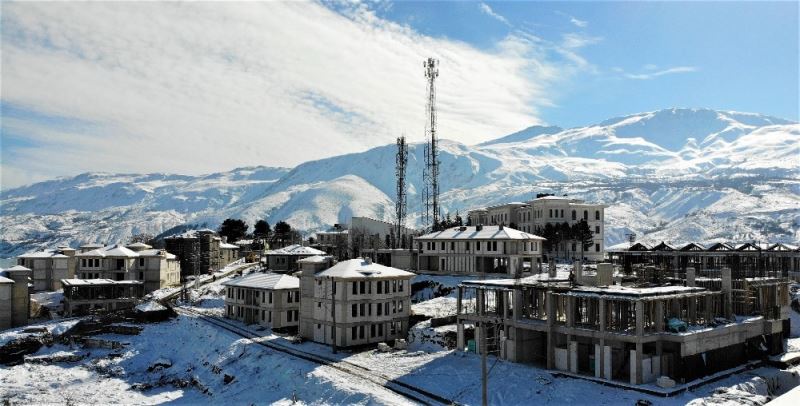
{"x":154,"y":267}
{"x":201,"y":251}
{"x":49,"y":267}
{"x":285,"y":259}
{"x":268,"y":299}
{"x":355,"y":302}
{"x":15,"y":297}
{"x":534,"y":215}
{"x":478,"y":249}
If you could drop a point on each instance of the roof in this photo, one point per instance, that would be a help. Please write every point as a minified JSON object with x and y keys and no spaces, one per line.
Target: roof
{"x":271,"y":281}
{"x":315,"y":259}
{"x":91,"y":245}
{"x":225,"y":245}
{"x":191,"y":233}
{"x":360,"y":268}
{"x":155,"y":253}
{"x":3,"y":279}
{"x":139,"y":245}
{"x":89,"y":282}
{"x":18,"y":268}
{"x":47,"y":253}
{"x":485,"y":233}
{"x":115,"y":251}
{"x":295,"y":249}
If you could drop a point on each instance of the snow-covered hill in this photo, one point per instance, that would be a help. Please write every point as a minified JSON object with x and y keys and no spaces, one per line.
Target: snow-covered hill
{"x":677,"y":174}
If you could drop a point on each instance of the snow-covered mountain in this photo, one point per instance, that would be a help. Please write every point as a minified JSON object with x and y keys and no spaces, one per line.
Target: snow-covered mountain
{"x":677,"y":174}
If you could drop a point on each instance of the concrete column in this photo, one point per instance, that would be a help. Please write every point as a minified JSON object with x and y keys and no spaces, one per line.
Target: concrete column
{"x":636,"y":378}
{"x":460,"y":344}
{"x":573,"y":357}
{"x":607,"y":363}
{"x":659,"y":316}
{"x":657,"y":359}
{"x":552,"y":268}
{"x":480,"y":301}
{"x":598,"y":360}
{"x":551,"y":315}
{"x":458,"y":300}
{"x":604,"y":273}
{"x":577,"y":267}
{"x":690,"y":275}
{"x":517,"y":295}
{"x":639,"y":309}
{"x":727,"y":290}
{"x":20,"y":298}
{"x":602,"y":314}
{"x":570,"y":311}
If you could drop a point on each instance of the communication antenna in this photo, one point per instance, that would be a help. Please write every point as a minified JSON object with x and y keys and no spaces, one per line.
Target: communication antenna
{"x":401,"y":160}
{"x":431,"y":173}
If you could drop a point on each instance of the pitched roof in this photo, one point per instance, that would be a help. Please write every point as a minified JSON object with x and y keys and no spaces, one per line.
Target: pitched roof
{"x":17,"y":268}
{"x":272,"y":281}
{"x":295,"y":249}
{"x":225,"y":245}
{"x":115,"y":251}
{"x":315,"y":259}
{"x":139,"y":245}
{"x":485,"y":233}
{"x":3,"y":279}
{"x":360,"y":268}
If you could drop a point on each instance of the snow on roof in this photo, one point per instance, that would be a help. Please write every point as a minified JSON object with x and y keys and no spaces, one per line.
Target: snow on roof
{"x":92,"y":245}
{"x":295,"y":249}
{"x":155,"y":253}
{"x":315,"y":259}
{"x":191,"y":233}
{"x":115,"y":251}
{"x":485,"y":233}
{"x":139,"y":245}
{"x":46,"y":253}
{"x":88,"y":282}
{"x":151,"y":306}
{"x":271,"y":281}
{"x":225,"y":245}
{"x":16,"y":268}
{"x":3,"y":279}
{"x":360,"y":268}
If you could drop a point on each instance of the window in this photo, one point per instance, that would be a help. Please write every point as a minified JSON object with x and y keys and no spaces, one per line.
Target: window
{"x":355,"y":288}
{"x":380,"y":329}
{"x":141,"y":275}
{"x":363,"y":308}
{"x":494,"y":245}
{"x":380,"y":287}
{"x":394,"y":286}
{"x":394,"y":307}
{"x":362,"y":287}
{"x":477,"y":245}
{"x":386,"y":286}
{"x":141,"y":261}
{"x":369,"y":309}
{"x":97,"y":262}
{"x":452,"y":246}
{"x":442,"y":246}
{"x":380,"y":310}
{"x":354,"y":332}
{"x":83,"y":262}
{"x":120,"y":264}
{"x":597,"y":247}
{"x":551,"y":212}
{"x":319,"y":305}
{"x":586,"y":215}
{"x":372,"y":330}
{"x":386,"y":308}
{"x":574,"y":215}
{"x":400,"y":306}
{"x":361,"y":332}
{"x":263,"y":315}
{"x":270,"y":297}
{"x":597,"y":229}
{"x":400,"y":285}
{"x":354,"y":310}
{"x":573,"y":246}
{"x":466,"y":245}
{"x":597,"y":214}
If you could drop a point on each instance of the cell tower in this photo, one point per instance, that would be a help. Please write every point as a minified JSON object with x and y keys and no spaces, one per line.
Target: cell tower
{"x":431,"y":173}
{"x":401,"y":161}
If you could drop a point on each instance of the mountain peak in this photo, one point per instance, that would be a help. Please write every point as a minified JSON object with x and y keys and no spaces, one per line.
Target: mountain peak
{"x":526,"y":134}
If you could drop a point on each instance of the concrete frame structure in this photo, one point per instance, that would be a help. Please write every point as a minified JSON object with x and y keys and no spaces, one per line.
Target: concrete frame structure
{"x":15,"y":296}
{"x":50,"y":267}
{"x":285,"y":259}
{"x":478,"y":250}
{"x":537,"y":213}
{"x":82,"y":296}
{"x":155,"y":268}
{"x":268,"y":299}
{"x":628,"y":334}
{"x":355,"y":302}
{"x":745,"y":260}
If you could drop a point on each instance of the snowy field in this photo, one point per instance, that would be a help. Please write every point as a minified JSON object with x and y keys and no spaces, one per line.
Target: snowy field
{"x":186,"y":360}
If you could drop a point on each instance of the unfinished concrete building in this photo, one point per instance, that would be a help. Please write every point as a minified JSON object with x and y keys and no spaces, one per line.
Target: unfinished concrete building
{"x":632,"y":333}
{"x":156,"y":268}
{"x":49,"y":267}
{"x":84,"y":296}
{"x":268,"y":299}
{"x":201,"y":251}
{"x":478,"y":250}
{"x":355,"y":302}
{"x":535,"y":214}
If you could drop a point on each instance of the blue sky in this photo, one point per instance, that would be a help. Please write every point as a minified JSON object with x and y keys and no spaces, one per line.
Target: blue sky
{"x":192,"y":88}
{"x":743,"y":56}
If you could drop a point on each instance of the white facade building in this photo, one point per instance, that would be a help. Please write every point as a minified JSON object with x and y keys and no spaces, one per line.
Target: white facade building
{"x":156,"y":268}
{"x":268,"y":299}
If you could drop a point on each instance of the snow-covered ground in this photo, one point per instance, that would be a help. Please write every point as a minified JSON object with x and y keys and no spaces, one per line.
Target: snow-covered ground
{"x":201,"y":354}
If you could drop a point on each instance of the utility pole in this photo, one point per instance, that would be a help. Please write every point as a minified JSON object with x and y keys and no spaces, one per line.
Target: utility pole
{"x":484,"y":373}
{"x":333,"y":312}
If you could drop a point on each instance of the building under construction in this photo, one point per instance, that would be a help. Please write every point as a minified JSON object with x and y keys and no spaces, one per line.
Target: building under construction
{"x":617,"y":327}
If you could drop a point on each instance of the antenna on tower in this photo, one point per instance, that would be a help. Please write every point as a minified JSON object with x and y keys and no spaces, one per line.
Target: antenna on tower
{"x":401,"y":160}
{"x":430,"y":176}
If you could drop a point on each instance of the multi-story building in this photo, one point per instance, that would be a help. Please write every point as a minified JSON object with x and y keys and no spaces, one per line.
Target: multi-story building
{"x":154,"y":267}
{"x":285,"y":259}
{"x":533,"y":217}
{"x":354,"y":302}
{"x":15,"y":297}
{"x":477,"y":250}
{"x":49,"y":267}
{"x":627,"y":333}
{"x":269,"y":299}
{"x":84,"y":296}
{"x":201,"y":251}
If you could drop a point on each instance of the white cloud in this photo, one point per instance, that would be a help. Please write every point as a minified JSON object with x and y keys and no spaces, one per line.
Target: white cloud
{"x":669,"y":71}
{"x":576,"y":22}
{"x":488,"y":11}
{"x":202,"y":87}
